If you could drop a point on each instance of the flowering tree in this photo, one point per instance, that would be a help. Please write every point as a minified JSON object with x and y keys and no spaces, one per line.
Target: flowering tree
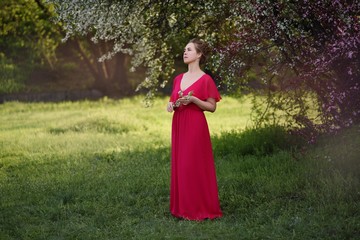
{"x":152,"y":32}
{"x":307,"y":55}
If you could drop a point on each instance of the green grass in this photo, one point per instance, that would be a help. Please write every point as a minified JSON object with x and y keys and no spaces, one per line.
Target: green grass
{"x":101,"y":170}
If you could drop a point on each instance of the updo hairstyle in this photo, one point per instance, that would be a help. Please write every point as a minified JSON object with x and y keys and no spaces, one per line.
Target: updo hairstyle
{"x":201,"y":47}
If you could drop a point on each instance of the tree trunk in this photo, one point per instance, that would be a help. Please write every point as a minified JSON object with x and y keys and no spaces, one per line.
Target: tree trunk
{"x":110,"y":75}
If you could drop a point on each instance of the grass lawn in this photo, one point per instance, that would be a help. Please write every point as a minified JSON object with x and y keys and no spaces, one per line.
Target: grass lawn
{"x":101,"y":170}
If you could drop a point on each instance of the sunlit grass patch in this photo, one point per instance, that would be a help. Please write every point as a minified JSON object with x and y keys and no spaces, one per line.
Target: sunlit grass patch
{"x":100,"y":125}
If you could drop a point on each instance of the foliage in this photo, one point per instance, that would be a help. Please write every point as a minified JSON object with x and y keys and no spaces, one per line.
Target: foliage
{"x":305,"y":54}
{"x":102,"y":183}
{"x":31,"y":43}
{"x":152,"y":32}
{"x":296,"y":50}
{"x":27,"y":34}
{"x":27,"y":39}
{"x":301,"y":50}
{"x":11,"y":78}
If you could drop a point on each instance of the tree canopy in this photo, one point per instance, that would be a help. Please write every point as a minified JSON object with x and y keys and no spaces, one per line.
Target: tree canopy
{"x":26,"y":36}
{"x":310,"y":48}
{"x":26,"y":27}
{"x":152,"y":32}
{"x":294,"y":51}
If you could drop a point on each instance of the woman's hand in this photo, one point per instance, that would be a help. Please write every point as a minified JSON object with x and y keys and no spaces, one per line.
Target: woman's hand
{"x":208,"y":105}
{"x":170,"y":107}
{"x":186,"y":100}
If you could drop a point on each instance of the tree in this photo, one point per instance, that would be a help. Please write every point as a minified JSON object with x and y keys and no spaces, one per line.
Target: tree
{"x":109,"y":76}
{"x":306,"y":50}
{"x":115,"y":27}
{"x":153,"y":33}
{"x":295,"y":49}
{"x":26,"y":37}
{"x":30,"y":42}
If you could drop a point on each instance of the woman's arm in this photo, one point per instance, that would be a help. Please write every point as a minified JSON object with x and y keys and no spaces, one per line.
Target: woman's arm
{"x":208,"y":105}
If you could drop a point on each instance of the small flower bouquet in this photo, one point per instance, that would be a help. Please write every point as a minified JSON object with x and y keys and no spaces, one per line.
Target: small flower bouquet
{"x":181,"y":94}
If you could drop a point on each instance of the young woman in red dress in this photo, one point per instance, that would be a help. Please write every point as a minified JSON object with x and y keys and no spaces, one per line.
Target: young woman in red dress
{"x":193,"y":191}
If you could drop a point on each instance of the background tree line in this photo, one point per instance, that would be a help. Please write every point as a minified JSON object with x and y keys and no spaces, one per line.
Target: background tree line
{"x":33,"y":54}
{"x":302,"y":56}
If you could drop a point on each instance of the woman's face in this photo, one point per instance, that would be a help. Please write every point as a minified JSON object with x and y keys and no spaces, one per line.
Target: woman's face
{"x":190,"y":54}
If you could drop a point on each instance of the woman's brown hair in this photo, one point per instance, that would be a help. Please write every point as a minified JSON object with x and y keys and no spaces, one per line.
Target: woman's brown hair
{"x":201,"y":47}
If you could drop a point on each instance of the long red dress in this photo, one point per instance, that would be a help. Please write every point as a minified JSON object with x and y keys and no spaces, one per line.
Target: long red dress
{"x":193,"y":191}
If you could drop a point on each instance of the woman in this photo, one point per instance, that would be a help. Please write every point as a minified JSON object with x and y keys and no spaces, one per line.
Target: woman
{"x":193,"y":191}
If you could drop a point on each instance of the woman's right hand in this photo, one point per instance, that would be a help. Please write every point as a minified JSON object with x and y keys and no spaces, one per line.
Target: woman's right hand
{"x":170,"y":107}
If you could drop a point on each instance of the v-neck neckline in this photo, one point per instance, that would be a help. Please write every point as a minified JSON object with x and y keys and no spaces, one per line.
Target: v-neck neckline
{"x":182,"y":77}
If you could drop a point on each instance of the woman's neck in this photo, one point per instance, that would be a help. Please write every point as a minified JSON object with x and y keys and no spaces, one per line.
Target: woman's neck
{"x":194,"y":68}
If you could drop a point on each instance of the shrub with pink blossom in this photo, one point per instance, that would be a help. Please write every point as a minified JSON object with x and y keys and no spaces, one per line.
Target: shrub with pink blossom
{"x":304,"y":55}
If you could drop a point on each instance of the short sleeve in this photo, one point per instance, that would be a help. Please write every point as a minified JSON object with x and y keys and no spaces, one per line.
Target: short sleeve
{"x":211,"y":90}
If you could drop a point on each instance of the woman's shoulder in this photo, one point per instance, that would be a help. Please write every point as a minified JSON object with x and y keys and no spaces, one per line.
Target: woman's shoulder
{"x":208,"y":77}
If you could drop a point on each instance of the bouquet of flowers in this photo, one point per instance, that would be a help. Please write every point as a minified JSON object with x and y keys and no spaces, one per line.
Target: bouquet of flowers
{"x":177,"y":103}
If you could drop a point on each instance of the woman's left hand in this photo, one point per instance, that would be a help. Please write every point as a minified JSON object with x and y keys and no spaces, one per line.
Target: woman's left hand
{"x":186,"y":100}
{"x":170,"y":107}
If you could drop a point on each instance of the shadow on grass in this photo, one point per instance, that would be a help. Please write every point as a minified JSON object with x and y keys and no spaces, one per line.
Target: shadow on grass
{"x":257,"y":141}
{"x":264,"y":193}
